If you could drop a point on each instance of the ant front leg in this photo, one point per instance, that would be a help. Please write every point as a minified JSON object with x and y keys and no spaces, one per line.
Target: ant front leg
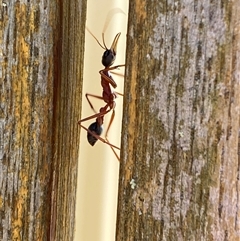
{"x":108,"y":78}
{"x":115,"y":67}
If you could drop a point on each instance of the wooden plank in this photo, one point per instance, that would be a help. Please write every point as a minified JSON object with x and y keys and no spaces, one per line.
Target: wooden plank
{"x":41,"y":56}
{"x":179,"y":172}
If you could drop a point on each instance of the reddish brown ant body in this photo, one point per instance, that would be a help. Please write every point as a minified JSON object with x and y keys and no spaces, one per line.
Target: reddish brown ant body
{"x":108,"y":95}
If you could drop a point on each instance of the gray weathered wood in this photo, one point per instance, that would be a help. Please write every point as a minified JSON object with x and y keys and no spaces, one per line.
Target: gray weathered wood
{"x":179,"y":174}
{"x":40,"y":86}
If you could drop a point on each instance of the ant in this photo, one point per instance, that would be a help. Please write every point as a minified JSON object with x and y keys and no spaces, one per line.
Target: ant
{"x":108,"y":96}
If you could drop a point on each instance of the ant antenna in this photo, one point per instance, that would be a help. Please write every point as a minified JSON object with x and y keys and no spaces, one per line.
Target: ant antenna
{"x":107,"y":21}
{"x":103,"y":47}
{"x":104,"y":41}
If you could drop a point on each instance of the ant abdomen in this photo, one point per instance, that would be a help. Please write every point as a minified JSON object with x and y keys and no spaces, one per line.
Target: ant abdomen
{"x":96,"y":129}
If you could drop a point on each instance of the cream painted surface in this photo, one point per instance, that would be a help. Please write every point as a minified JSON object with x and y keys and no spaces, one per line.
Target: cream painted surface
{"x":98,"y":166}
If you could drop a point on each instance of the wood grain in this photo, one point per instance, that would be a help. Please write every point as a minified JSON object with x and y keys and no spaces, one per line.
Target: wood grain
{"x":41,"y":56}
{"x":179,"y":172}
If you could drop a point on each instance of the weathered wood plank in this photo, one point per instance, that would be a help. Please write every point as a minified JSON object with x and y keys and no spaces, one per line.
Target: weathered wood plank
{"x":179,"y":174}
{"x":40,"y":76}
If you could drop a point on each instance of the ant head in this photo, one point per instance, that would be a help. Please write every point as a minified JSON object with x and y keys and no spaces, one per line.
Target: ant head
{"x":108,"y":57}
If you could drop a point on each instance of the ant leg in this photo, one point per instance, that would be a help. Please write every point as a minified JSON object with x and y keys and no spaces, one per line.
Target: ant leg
{"x":89,"y":102}
{"x":97,"y":97}
{"x":92,"y":133}
{"x":95,"y":116}
{"x":99,"y":138}
{"x":118,"y":93}
{"x":115,"y":153}
{"x":109,"y":125}
{"x":116,"y":73}
{"x":106,"y":141}
{"x":107,"y":78}
{"x":115,"y":67}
